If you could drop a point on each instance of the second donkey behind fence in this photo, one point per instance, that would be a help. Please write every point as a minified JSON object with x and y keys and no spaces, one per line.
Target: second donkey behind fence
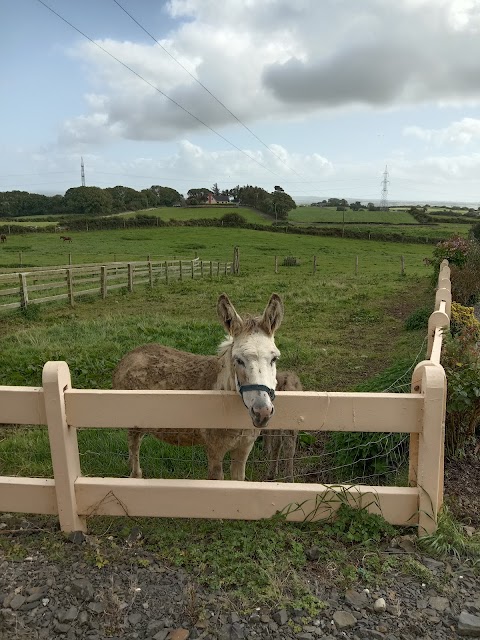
{"x":280,"y":445}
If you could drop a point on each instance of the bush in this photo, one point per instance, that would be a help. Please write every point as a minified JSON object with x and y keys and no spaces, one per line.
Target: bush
{"x":455,"y":250}
{"x":463,"y":318}
{"x":418,"y":319}
{"x":233,"y":220}
{"x":465,"y":280}
{"x":461,"y":361}
{"x":290,"y":261}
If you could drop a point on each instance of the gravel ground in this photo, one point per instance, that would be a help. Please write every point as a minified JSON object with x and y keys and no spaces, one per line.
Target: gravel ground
{"x":66,"y":589}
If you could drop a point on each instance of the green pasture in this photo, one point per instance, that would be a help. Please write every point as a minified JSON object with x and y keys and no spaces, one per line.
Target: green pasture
{"x":195,"y":213}
{"x":27,"y":223}
{"x":330,"y":214}
{"x":422,"y":232}
{"x":339,"y":330}
{"x":257,"y":248}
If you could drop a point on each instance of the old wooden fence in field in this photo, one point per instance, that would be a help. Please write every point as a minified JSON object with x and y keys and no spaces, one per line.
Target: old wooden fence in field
{"x":69,"y":282}
{"x":73,"y":497}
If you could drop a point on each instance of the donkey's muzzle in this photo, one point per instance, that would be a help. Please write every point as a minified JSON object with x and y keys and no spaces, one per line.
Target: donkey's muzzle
{"x":262,"y":415}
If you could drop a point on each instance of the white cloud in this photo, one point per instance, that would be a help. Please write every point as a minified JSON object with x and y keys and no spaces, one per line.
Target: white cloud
{"x":277,"y":59}
{"x":461,"y":132}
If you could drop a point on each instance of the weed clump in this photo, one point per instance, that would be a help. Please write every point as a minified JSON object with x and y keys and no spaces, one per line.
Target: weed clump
{"x":418,"y":319}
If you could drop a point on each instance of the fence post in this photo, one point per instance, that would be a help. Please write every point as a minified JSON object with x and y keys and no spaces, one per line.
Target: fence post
{"x":402,"y":262}
{"x":218,"y":268}
{"x":431,"y":443}
{"x":103,"y":281}
{"x":276,"y":264}
{"x":70,"y":287}
{"x":23,"y":291}
{"x":63,"y":445}
{"x":181,"y":274}
{"x":69,"y":258}
{"x":130,"y":276}
{"x":150,"y":273}
{"x":226,"y":267}
{"x":437,"y":319}
{"x":166,"y":272}
{"x":201,"y":268}
{"x":211,"y":269}
{"x":446,"y":295}
{"x":415,"y":387}
{"x":193,"y":272}
{"x":20,"y":259}
{"x":236,"y":260}
{"x":356,"y":265}
{"x":314,"y":264}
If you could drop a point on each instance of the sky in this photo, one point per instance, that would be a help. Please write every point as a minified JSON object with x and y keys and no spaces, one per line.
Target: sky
{"x":318,"y":97}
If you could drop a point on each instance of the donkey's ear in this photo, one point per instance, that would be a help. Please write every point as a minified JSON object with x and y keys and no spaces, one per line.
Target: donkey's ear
{"x":227,"y":314}
{"x":273,"y":315}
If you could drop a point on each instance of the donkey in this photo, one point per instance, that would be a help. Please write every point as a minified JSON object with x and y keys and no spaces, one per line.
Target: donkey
{"x":280,"y":446}
{"x":246,"y":363}
{"x":66,"y":238}
{"x":3,"y":238}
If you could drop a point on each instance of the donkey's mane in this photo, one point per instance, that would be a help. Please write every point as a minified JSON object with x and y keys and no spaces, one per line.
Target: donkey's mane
{"x":250,"y":324}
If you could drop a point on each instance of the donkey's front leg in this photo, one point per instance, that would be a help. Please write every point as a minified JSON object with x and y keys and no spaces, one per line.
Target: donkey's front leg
{"x":240,"y":453}
{"x":134,"y":441}
{"x":216,"y":449}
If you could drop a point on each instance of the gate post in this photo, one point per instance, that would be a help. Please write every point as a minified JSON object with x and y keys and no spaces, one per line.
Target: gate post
{"x":63,"y":445}
{"x":431,"y":444}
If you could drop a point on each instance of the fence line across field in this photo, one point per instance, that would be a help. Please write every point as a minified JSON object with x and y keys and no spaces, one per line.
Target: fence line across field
{"x":63,"y":409}
{"x":291,"y":261}
{"x":99,"y":279}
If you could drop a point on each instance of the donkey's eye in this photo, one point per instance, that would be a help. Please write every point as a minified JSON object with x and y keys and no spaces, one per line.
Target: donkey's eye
{"x":274,"y":359}
{"x":240,"y":362}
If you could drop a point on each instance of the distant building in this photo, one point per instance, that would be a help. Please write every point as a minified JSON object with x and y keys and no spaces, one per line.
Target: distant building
{"x":211,"y":199}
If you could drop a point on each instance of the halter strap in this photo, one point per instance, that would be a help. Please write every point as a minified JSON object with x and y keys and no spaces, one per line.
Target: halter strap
{"x":256,"y":387}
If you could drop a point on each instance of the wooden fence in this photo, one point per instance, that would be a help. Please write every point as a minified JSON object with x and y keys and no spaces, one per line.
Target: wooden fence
{"x":73,"y":497}
{"x":69,"y":282}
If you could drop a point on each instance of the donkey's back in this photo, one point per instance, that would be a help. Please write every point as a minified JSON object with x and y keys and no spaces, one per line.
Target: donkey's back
{"x":155,"y":366}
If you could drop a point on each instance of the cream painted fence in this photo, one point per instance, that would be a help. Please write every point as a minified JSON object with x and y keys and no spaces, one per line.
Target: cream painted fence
{"x":74,"y":497}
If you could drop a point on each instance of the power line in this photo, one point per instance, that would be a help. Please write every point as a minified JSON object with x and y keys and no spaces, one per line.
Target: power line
{"x":206,"y":89}
{"x":159,"y":90}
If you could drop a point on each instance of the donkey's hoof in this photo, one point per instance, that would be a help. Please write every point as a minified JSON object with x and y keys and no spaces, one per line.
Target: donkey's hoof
{"x":136,"y":475}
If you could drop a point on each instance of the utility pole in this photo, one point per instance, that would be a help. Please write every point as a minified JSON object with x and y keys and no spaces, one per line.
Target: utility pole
{"x":82,"y":172}
{"x":384,"y":198}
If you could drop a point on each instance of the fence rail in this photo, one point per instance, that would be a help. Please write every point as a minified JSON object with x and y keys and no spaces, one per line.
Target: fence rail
{"x":72,"y":497}
{"x":30,"y":287}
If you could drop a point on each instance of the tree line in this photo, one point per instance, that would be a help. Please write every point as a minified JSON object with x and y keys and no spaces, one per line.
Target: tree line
{"x":86,"y":201}
{"x":95,"y":201}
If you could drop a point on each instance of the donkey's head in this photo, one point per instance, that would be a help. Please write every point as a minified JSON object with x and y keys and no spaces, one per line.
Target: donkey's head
{"x":254,"y":355}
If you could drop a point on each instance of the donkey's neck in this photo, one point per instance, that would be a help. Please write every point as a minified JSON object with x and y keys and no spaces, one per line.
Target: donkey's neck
{"x":226,"y":375}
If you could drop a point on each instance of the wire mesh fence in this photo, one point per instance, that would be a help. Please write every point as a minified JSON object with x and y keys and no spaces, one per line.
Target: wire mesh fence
{"x":283,"y":456}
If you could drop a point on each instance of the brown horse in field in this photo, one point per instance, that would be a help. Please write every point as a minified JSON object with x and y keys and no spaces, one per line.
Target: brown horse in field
{"x":3,"y":238}
{"x":66,"y":238}
{"x":246,"y":363}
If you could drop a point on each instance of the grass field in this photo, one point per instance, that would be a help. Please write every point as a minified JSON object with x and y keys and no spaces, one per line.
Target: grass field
{"x":339,"y":328}
{"x":419,"y":231}
{"x":330,"y":214}
{"x":195,"y":213}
